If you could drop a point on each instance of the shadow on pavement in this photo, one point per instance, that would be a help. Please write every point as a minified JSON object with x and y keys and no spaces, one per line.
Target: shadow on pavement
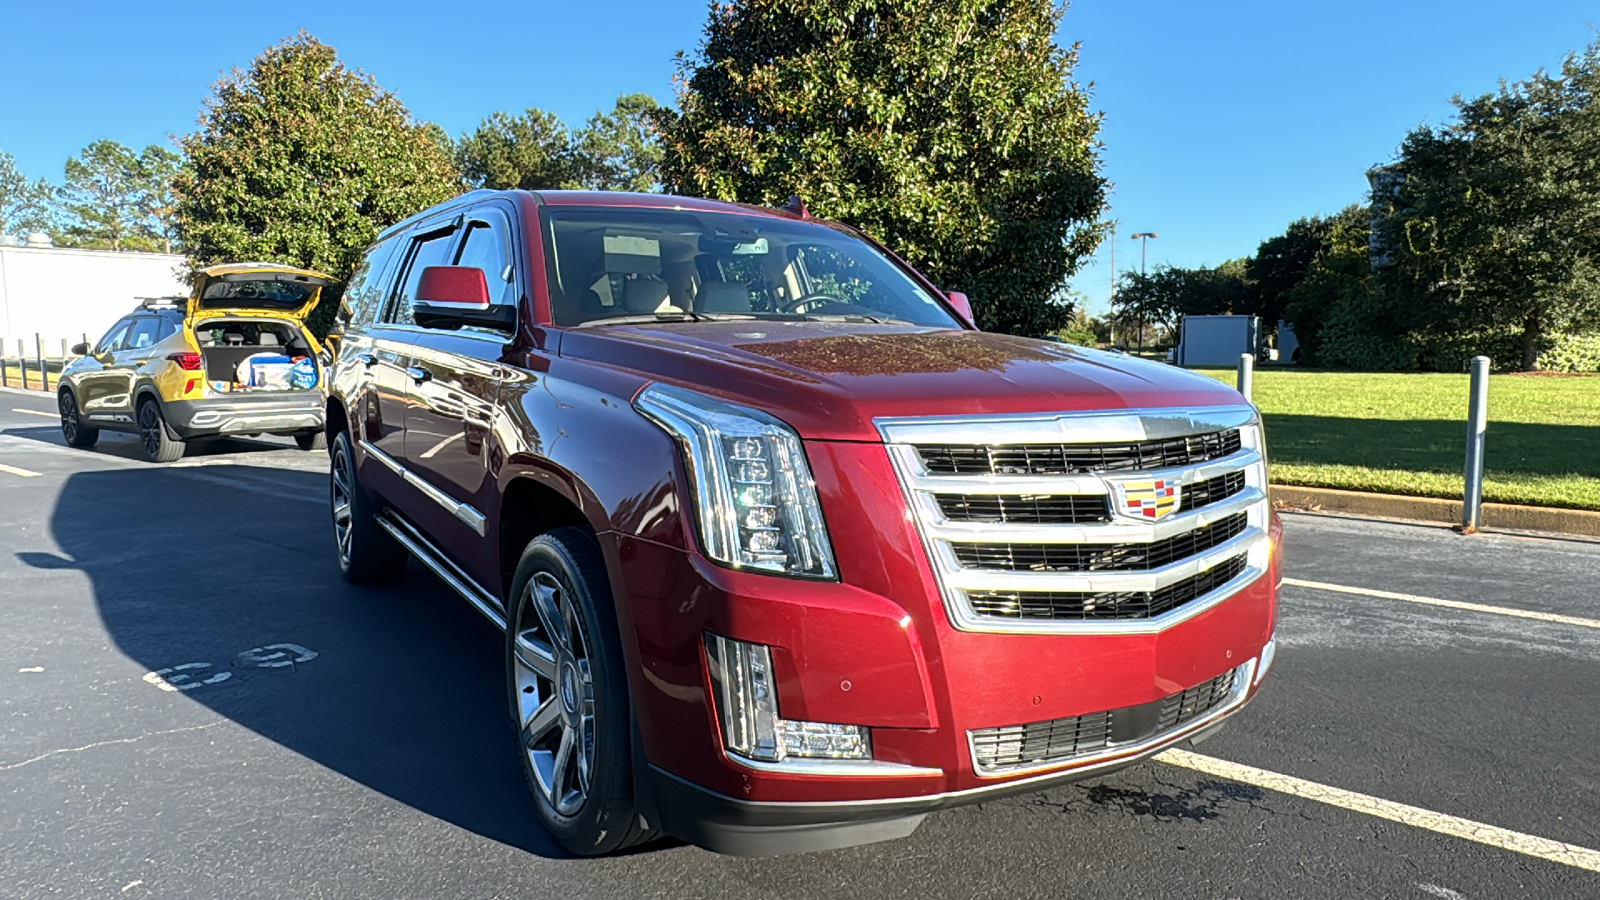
{"x":405,"y":693}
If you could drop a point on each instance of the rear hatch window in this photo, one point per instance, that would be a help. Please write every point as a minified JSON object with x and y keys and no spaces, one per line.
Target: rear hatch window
{"x":280,"y":292}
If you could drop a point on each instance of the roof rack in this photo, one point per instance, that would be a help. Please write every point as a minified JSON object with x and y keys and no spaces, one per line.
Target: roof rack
{"x":152,"y":302}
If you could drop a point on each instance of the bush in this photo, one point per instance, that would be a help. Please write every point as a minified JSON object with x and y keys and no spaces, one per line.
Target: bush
{"x":1083,"y":337}
{"x":1571,"y":353}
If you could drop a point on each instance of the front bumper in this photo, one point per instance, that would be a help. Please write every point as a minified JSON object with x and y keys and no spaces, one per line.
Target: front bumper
{"x":890,"y":660}
{"x":738,"y":827}
{"x":264,"y":414}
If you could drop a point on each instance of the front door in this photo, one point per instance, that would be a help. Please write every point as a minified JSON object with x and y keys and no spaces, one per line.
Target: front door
{"x":105,"y":392}
{"x":454,"y":380}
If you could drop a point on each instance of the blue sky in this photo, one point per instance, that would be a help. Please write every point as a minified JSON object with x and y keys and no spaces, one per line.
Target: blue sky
{"x":1223,"y":122}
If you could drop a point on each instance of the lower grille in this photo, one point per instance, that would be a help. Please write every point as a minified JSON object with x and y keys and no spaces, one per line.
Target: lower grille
{"x":1082,"y":606}
{"x":1078,"y":737}
{"x":1100,"y":557}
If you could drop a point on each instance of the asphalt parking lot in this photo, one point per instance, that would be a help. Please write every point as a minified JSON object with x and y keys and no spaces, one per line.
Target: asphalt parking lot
{"x":192,"y":704}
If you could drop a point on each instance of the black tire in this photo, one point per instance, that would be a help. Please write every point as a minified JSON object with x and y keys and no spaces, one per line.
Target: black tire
{"x":366,"y":552}
{"x":72,"y":427}
{"x":160,"y":445}
{"x":585,"y":798}
{"x":311,"y":440}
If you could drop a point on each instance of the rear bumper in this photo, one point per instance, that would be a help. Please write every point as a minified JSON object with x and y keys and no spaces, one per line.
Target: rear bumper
{"x":265,"y":414}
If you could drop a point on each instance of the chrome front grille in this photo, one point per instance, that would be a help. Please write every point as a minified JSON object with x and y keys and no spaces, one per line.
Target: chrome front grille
{"x":1109,"y":522}
{"x":1083,"y":739}
{"x":1074,"y":459}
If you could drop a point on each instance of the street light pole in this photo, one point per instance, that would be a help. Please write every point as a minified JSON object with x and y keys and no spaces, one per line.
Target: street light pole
{"x":1143,"y":238}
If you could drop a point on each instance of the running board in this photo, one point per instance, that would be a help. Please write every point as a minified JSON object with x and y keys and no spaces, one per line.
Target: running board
{"x":447,"y":571}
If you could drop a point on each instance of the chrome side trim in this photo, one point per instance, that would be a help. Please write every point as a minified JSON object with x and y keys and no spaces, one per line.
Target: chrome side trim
{"x":837,"y":768}
{"x":1065,"y":427}
{"x":1243,"y":680}
{"x":473,"y":519}
{"x":458,"y":580}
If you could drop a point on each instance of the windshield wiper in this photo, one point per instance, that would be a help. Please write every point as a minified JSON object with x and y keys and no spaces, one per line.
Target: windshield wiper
{"x":858,"y":318}
{"x":646,"y":319}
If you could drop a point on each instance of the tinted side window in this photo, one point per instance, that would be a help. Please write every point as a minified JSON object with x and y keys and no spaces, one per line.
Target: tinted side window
{"x":366,"y":293}
{"x":432,"y":249}
{"x":113,"y":339}
{"x":485,"y":248}
{"x":142,"y":334}
{"x":169,"y":327}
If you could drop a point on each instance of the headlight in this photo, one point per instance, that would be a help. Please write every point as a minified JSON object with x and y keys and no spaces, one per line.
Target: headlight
{"x":747,"y":704}
{"x":756,"y":503}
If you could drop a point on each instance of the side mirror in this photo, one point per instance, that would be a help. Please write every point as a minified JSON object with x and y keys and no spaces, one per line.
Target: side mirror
{"x":962,"y":306}
{"x":458,"y":297}
{"x":79,"y":349}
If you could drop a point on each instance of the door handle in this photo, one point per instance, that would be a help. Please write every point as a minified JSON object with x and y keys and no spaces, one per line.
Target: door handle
{"x":419,"y":374}
{"x":366,"y":359}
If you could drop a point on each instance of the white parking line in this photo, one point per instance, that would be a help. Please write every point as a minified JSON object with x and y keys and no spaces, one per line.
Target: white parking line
{"x":37,"y":412}
{"x":1416,"y":817}
{"x":20,"y":473}
{"x":1448,"y":604}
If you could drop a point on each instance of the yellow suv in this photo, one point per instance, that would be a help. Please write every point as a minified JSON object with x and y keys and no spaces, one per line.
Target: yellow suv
{"x":233,"y":358}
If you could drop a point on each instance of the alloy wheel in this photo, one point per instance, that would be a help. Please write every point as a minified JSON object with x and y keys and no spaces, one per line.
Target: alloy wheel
{"x":555,"y":692}
{"x":69,"y":416}
{"x":150,"y":429}
{"x":340,"y":495}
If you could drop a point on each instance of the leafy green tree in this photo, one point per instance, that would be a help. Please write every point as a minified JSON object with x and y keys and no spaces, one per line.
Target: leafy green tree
{"x":302,"y":160}
{"x":1282,"y":262}
{"x":1168,"y":293}
{"x":24,"y":205}
{"x":101,"y":198}
{"x":618,"y":150}
{"x":158,"y":204}
{"x":1493,"y":221}
{"x":951,"y":131}
{"x":530,"y":151}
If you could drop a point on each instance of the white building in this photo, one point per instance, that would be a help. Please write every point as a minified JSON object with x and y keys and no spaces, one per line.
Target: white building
{"x":60,"y":294}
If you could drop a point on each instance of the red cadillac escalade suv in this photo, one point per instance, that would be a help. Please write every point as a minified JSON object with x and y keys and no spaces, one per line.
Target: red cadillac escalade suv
{"x":787,"y":553}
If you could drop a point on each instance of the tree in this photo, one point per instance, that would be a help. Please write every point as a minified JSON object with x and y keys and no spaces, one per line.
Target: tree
{"x":1494,"y":219}
{"x":24,"y":205}
{"x":158,"y":204}
{"x":302,"y":160}
{"x":1168,"y":293}
{"x":951,"y":131}
{"x":618,"y":150}
{"x":530,"y":151}
{"x":101,"y":197}
{"x":1282,"y":262}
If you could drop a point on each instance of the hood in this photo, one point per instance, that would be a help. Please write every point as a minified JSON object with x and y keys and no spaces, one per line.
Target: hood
{"x":829,"y":380}
{"x":256,"y":289}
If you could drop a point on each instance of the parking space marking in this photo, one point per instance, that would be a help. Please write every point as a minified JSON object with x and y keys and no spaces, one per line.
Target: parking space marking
{"x":1447,"y":604}
{"x":36,"y":412}
{"x":1416,"y":817}
{"x":20,"y":473}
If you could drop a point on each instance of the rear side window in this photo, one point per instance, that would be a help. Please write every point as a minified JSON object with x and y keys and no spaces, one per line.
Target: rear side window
{"x":144,"y":333}
{"x":431,"y":249}
{"x":365,"y":294}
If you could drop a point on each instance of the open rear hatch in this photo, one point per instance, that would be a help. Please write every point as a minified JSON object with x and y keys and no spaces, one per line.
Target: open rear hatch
{"x":249,"y":323}
{"x":246,"y":289}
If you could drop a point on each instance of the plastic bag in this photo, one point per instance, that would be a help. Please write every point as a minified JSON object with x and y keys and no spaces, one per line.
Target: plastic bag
{"x":303,"y":376}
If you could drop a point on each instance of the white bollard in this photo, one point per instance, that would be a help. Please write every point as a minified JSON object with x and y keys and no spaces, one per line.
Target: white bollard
{"x":1477,"y":423}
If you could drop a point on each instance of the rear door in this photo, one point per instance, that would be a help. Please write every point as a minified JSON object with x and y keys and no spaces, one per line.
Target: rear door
{"x":454,"y":379}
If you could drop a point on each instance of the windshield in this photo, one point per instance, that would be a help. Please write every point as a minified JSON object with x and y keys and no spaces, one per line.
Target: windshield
{"x":619,"y":264}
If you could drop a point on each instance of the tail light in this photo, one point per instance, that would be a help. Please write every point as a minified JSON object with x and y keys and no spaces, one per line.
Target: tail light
{"x":187,"y":361}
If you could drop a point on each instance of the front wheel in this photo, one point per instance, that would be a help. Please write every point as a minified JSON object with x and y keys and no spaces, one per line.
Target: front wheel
{"x":159,"y":443}
{"x":72,"y":427}
{"x":569,"y":695}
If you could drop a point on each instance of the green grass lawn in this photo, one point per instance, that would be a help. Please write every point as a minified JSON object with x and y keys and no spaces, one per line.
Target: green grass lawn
{"x":1406,"y":434}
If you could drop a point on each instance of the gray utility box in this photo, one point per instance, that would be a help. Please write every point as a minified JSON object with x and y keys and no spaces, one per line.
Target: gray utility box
{"x":1217,"y":340}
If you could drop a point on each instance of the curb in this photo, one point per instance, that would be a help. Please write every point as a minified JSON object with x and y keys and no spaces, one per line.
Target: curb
{"x":1506,"y":516}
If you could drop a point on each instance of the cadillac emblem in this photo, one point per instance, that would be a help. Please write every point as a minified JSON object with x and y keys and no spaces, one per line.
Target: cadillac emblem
{"x":1151,"y":499}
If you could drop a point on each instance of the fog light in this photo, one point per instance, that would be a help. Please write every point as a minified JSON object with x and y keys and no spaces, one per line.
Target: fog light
{"x":747,"y":705}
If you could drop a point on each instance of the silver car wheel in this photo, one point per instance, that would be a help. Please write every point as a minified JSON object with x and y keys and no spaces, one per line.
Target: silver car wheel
{"x":555,"y":692}
{"x":343,"y":484}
